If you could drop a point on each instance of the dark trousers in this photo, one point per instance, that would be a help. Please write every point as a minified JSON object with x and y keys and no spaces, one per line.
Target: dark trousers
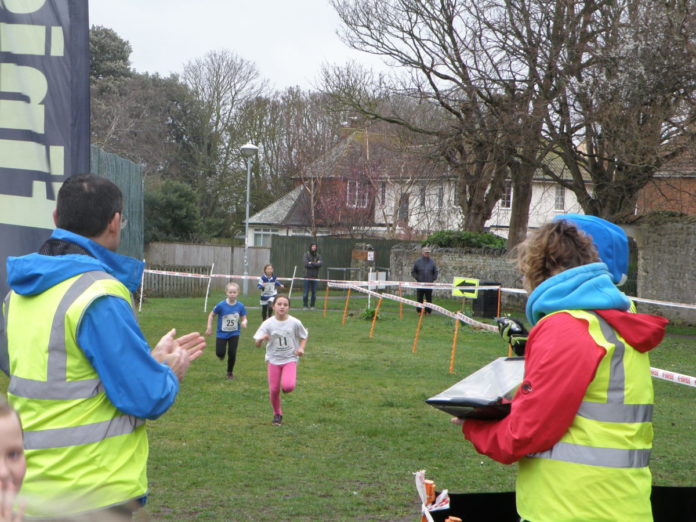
{"x":266,"y":311}
{"x":424,"y":294}
{"x":310,"y":285}
{"x":229,"y":346}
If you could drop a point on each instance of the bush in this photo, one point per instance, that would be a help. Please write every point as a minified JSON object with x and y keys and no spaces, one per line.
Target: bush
{"x":368,"y":314}
{"x":464,"y":239}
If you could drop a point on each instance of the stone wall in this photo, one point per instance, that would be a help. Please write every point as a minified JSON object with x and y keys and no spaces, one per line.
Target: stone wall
{"x":487,"y":265}
{"x":666,"y":266}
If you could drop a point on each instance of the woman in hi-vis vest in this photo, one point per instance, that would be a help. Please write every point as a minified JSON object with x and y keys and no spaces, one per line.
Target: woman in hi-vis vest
{"x":580,"y":423}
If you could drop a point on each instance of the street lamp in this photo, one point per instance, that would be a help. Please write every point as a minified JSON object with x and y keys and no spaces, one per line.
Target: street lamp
{"x":248,"y":151}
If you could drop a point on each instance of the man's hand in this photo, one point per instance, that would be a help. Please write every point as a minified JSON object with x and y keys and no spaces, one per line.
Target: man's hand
{"x":179,"y":353}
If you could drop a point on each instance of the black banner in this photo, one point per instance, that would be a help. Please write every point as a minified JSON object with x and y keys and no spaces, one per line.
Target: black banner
{"x":44,"y":115}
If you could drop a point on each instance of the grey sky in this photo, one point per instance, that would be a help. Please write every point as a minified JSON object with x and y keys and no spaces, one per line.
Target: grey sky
{"x":288,"y":40}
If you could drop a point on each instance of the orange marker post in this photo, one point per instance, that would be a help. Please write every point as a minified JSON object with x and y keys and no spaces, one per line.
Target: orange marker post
{"x":326,"y":299}
{"x":418,"y":328}
{"x":374,"y":317}
{"x":500,"y":292}
{"x":454,"y":345}
{"x":345,"y":308}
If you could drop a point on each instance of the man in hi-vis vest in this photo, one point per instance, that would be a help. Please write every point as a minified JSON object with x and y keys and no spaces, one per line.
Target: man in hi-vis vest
{"x":82,"y":376}
{"x":580,"y":424}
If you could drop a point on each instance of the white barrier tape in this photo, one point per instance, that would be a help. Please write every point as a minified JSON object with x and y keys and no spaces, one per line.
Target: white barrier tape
{"x":663,"y":303}
{"x":673,"y":377}
{"x":454,"y":315}
{"x":176,"y":274}
{"x":405,"y":284}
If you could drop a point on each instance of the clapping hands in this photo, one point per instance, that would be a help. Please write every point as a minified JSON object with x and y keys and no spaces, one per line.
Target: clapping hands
{"x":179,"y":353}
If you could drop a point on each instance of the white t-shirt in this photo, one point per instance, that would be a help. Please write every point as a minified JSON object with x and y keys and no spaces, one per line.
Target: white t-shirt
{"x":284,"y":338}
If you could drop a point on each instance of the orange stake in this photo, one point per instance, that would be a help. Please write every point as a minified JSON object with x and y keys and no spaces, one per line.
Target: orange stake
{"x":326,"y":299}
{"x":500,"y":292}
{"x":418,"y":328}
{"x":374,"y":317}
{"x":454,"y":345}
{"x":345,"y":308}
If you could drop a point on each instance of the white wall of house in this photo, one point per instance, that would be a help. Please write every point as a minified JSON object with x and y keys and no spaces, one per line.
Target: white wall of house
{"x":260,"y":235}
{"x":425,"y":206}
{"x":432,"y":206}
{"x":548,"y":200}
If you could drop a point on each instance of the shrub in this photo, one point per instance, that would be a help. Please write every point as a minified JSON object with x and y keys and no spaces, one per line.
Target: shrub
{"x":464,"y":239}
{"x":368,"y":314}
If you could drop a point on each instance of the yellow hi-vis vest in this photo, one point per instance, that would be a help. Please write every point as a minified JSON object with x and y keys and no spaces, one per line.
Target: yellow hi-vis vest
{"x":598,"y":471}
{"x":82,"y":453}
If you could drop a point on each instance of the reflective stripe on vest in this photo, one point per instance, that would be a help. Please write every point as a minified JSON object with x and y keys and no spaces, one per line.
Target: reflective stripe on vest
{"x":614,"y":410}
{"x":57,"y":387}
{"x":87,"y":434}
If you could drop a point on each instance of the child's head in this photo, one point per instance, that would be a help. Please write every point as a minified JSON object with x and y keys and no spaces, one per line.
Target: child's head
{"x":232,"y":291}
{"x":551,"y":249}
{"x":268,"y":270}
{"x":13,"y":464}
{"x":281,"y":305}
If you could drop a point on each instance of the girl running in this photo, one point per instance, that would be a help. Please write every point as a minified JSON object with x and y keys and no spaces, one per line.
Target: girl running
{"x":285,"y":338}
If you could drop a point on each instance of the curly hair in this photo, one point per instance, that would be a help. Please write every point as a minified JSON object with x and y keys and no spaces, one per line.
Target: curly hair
{"x":553,"y":248}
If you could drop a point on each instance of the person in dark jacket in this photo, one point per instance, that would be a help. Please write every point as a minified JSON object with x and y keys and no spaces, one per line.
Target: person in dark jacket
{"x":312,"y":263}
{"x":424,"y":271}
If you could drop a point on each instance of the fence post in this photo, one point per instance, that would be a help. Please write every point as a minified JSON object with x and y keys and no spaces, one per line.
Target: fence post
{"x":207,"y":290}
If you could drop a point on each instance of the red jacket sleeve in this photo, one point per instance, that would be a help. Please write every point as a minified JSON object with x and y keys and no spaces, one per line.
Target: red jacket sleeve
{"x":561,"y":361}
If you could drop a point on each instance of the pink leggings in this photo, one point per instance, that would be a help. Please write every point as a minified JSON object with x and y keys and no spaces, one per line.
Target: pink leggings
{"x":280,"y":376}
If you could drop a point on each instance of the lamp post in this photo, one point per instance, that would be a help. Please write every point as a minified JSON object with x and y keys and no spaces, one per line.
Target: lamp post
{"x":248,"y":151}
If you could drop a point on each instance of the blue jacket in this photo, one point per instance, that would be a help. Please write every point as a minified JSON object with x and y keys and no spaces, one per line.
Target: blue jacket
{"x":108,"y":333}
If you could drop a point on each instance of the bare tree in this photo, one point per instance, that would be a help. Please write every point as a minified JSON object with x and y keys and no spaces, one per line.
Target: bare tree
{"x":479,"y":112}
{"x":223,"y":83}
{"x":600,"y":85}
{"x":619,"y":97}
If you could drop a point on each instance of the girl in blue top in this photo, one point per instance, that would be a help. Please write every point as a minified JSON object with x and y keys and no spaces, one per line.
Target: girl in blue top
{"x":268,"y":284}
{"x":231,"y":318}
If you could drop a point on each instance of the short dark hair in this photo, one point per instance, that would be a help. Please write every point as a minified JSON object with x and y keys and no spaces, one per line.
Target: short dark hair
{"x":87,"y":203}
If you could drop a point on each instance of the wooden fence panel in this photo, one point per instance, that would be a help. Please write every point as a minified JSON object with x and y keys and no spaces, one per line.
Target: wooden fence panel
{"x":165,"y":285}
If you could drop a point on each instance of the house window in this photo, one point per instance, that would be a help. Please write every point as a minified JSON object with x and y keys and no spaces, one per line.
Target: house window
{"x":559,"y":199}
{"x":356,"y":194}
{"x":263,"y":237}
{"x":403,"y":209}
{"x":422,"y":195}
{"x":506,"y":200}
{"x":383,"y":192}
{"x":440,"y":197}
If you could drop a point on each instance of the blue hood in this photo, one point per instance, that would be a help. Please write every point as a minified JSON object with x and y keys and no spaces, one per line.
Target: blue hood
{"x":609,"y":239}
{"x":586,"y":287}
{"x":34,"y":273}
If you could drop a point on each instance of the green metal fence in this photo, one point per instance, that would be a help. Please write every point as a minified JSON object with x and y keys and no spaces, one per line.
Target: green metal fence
{"x":128,"y":176}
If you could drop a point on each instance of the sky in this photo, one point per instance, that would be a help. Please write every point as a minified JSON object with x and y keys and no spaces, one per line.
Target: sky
{"x":288,"y":40}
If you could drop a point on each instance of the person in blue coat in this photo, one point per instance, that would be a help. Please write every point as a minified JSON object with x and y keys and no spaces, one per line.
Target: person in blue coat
{"x":80,"y":262}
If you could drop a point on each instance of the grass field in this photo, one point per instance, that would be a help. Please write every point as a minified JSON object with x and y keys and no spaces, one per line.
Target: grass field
{"x":356,"y":427}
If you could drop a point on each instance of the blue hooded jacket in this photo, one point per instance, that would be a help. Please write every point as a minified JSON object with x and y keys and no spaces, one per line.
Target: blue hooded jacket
{"x":586,"y":287}
{"x":609,"y":239}
{"x":108,"y":333}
